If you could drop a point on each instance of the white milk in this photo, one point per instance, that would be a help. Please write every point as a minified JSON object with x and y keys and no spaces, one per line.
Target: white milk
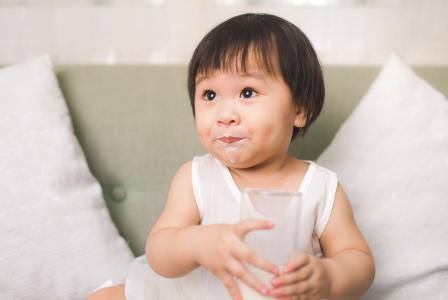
{"x":277,"y":244}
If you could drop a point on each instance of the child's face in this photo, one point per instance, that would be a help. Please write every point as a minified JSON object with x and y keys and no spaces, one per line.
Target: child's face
{"x":245,"y":119}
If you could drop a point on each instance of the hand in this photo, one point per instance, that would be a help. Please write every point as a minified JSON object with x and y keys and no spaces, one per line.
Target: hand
{"x":223,"y":252}
{"x":304,"y":277}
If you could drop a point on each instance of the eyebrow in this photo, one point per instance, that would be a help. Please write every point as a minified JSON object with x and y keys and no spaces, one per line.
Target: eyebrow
{"x":256,"y":75}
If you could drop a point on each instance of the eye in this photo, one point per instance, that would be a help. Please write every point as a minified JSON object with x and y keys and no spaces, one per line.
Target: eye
{"x":209,"y":95}
{"x":248,"y":93}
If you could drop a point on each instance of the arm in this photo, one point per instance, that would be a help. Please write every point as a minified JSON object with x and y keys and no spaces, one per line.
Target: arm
{"x":349,"y":261}
{"x":169,"y":247}
{"x":347,"y":270}
{"x":177,"y":244}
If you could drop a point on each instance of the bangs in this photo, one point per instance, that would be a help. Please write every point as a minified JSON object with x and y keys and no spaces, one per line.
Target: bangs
{"x":238,"y":55}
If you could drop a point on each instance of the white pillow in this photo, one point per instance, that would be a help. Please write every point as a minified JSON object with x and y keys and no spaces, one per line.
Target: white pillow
{"x":391,"y":155}
{"x":57,"y":238}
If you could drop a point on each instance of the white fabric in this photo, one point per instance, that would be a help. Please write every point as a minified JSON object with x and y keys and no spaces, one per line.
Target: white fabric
{"x":57,"y":238}
{"x":218,"y":199}
{"x":392,"y":157}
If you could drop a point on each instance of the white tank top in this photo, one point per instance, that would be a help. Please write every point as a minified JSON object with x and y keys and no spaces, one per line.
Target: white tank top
{"x":218,"y":199}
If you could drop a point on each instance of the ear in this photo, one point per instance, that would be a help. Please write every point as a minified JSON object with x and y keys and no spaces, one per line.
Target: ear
{"x":300,"y":118}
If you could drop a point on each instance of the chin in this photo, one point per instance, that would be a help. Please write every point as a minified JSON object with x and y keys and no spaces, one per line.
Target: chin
{"x":238,"y":163}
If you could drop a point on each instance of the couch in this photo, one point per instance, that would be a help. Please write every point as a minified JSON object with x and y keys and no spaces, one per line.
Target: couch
{"x":136,"y":128}
{"x":132,"y":127}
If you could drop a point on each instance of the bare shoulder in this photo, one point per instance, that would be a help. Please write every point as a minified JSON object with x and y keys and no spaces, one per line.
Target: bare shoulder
{"x":182,"y":176}
{"x":341,"y":231}
{"x":109,"y":293}
{"x":180,"y":208}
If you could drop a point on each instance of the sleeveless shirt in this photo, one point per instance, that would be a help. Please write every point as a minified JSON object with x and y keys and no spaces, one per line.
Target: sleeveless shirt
{"x":218,"y":200}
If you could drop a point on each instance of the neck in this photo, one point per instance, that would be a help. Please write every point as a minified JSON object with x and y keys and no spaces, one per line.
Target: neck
{"x":269,"y":174}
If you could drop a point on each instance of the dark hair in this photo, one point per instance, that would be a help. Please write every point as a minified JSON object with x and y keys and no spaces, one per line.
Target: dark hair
{"x":227,"y":46}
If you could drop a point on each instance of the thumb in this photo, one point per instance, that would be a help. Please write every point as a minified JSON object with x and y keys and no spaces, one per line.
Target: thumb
{"x":248,"y":225}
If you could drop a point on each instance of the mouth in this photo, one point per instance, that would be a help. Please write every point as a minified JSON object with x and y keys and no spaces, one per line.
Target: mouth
{"x":230,"y":139}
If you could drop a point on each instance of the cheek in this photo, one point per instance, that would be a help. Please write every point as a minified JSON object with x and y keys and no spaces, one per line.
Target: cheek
{"x":200,"y":126}
{"x":203,"y":125}
{"x":274,"y":130}
{"x":272,"y":123}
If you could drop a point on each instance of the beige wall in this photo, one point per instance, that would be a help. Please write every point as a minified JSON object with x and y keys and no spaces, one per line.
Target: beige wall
{"x":166,"y":31}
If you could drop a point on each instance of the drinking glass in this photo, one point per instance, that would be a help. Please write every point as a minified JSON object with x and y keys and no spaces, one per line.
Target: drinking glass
{"x":277,"y":244}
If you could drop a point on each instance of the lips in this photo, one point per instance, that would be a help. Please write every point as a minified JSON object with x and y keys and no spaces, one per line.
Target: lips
{"x":230,"y":139}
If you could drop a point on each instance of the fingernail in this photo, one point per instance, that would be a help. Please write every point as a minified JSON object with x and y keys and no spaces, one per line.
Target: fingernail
{"x":264,"y":291}
{"x":275,"y":270}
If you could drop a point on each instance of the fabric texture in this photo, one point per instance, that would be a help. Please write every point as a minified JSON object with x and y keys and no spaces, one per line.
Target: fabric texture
{"x":57,"y":238}
{"x":218,"y":199}
{"x":392,"y":158}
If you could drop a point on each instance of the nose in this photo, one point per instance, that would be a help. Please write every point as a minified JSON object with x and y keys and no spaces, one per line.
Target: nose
{"x":228,"y":113}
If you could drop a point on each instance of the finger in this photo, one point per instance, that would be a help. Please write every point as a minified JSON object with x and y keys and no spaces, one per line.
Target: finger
{"x":295,"y":297}
{"x":289,"y":290}
{"x":246,"y":254}
{"x":240,"y":271}
{"x":296,"y":262}
{"x":303,"y":287}
{"x":293,"y":277}
{"x":246,"y":226}
{"x":232,"y":286}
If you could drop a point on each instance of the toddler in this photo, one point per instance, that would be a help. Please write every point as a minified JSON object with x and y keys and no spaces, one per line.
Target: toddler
{"x":255,"y":83}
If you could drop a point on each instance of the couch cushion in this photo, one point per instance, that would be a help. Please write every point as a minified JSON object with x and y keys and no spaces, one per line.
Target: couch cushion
{"x":391,"y":155}
{"x":57,"y":237}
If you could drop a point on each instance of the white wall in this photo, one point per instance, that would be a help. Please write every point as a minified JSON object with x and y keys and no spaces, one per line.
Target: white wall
{"x":167,"y":31}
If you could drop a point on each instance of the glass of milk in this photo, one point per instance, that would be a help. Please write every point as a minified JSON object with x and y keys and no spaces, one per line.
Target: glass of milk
{"x":277,"y":244}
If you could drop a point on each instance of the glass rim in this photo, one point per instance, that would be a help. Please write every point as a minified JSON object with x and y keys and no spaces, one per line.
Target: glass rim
{"x":271,"y":192}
